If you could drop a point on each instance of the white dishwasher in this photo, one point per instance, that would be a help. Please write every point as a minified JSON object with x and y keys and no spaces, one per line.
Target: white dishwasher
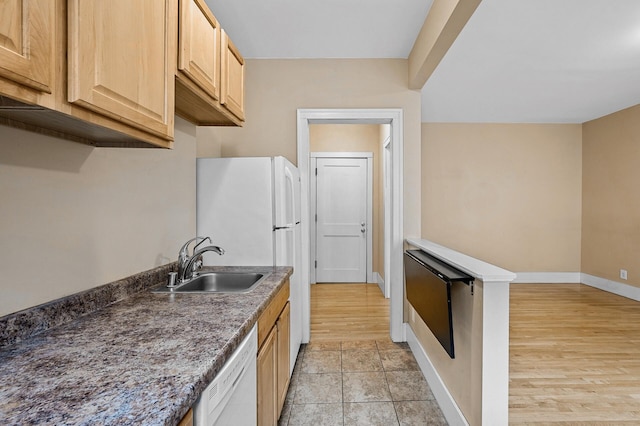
{"x":231,"y":398}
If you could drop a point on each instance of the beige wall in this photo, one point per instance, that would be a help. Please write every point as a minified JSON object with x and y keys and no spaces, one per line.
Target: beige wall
{"x":357,"y":138}
{"x":276,"y":88}
{"x":611,"y":206}
{"x":206,"y":142}
{"x":75,"y":217}
{"x":509,"y":194}
{"x":463,"y":374}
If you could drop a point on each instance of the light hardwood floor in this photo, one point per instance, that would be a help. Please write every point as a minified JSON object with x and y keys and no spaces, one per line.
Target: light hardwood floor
{"x":574,"y":356}
{"x":348,"y":312}
{"x":574,"y":350}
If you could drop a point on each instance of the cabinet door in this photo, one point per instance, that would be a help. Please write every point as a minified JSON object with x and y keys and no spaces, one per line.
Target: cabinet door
{"x":232,"y":84}
{"x":26,"y":42}
{"x":199,"y":46}
{"x":267,"y":379}
{"x":283,"y":325}
{"x":122,"y":60}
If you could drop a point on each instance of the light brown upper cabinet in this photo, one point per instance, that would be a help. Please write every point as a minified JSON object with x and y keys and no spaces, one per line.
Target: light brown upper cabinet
{"x":199,"y":52}
{"x":111,"y":73}
{"x":232,"y":77}
{"x":27,"y":49}
{"x":96,"y":72}
{"x":202,"y":87}
{"x":121,"y":62}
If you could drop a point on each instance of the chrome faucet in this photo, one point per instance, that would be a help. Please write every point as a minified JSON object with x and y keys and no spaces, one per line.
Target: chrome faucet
{"x":188,"y":264}
{"x":195,"y":262}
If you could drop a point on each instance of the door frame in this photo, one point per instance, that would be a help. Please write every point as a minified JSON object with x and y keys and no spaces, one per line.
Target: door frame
{"x":393,"y":234}
{"x":386,"y":195}
{"x":313,"y":208}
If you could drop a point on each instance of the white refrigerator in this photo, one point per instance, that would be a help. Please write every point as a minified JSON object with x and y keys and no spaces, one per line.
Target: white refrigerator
{"x":250,"y":207}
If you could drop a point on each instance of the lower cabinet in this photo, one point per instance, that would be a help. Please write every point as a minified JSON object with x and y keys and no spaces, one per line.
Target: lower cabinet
{"x":187,"y":420}
{"x":267,"y":380}
{"x":273,"y":358}
{"x":283,"y":327}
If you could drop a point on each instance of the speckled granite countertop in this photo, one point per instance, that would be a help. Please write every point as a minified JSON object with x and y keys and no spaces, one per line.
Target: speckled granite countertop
{"x":143,"y":360}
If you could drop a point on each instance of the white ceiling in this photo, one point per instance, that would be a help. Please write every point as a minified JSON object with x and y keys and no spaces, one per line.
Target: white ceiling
{"x":536,"y":61}
{"x":539,"y":61}
{"x":322,"y":28}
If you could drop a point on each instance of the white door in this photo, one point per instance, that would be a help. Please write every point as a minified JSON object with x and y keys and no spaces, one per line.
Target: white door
{"x":342,"y":217}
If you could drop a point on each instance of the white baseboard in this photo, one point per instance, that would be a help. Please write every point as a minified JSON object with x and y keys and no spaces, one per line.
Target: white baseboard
{"x":446,"y":402}
{"x":621,"y":289}
{"x":379,"y":280}
{"x":547,"y":277}
{"x":615,"y":287}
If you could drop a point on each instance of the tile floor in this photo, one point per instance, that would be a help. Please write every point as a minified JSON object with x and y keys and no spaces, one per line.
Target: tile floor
{"x":359,"y":383}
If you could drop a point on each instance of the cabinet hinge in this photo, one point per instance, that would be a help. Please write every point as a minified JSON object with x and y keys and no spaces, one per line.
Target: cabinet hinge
{"x":316,"y":264}
{"x":316,"y":171}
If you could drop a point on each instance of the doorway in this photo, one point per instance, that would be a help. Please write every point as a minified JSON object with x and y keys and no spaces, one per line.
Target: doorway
{"x":393,"y":238}
{"x":341,"y":204}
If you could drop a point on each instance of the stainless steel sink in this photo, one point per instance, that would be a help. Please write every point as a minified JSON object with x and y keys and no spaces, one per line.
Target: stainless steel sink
{"x":217,"y":282}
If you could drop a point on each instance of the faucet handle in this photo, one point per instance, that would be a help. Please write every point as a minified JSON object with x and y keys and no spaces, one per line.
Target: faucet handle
{"x":184,"y":250}
{"x":201,"y":241}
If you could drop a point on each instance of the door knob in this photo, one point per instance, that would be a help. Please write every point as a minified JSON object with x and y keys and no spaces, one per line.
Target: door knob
{"x":362,"y":230}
